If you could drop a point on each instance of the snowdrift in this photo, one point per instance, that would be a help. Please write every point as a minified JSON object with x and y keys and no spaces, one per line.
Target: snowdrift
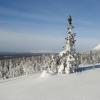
{"x":81,"y":86}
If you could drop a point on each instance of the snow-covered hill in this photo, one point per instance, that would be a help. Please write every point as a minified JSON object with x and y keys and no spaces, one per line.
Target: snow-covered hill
{"x":97,"y":48}
{"x":81,"y":86}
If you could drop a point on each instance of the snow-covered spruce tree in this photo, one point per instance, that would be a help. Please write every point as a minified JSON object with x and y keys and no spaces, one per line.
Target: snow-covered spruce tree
{"x":68,"y":60}
{"x":69,"y":57}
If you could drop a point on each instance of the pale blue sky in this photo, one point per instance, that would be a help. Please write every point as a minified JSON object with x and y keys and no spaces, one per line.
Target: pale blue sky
{"x":40,"y":25}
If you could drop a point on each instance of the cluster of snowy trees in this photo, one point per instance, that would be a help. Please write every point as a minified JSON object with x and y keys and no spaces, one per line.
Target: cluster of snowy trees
{"x":15,"y":67}
{"x":91,"y":57}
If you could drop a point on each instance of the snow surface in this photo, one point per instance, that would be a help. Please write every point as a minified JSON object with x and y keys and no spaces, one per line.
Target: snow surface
{"x":81,"y":86}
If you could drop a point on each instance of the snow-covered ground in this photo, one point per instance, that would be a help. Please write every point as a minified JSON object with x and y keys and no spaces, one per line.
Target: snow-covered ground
{"x":81,"y":86}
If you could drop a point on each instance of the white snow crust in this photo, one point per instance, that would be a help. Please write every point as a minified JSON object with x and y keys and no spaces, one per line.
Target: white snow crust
{"x":81,"y":86}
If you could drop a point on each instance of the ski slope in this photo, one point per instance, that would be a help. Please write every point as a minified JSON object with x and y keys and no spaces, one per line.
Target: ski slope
{"x":81,"y":86}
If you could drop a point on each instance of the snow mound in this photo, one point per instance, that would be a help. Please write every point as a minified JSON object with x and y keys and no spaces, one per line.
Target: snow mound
{"x":45,"y":74}
{"x":97,"y":48}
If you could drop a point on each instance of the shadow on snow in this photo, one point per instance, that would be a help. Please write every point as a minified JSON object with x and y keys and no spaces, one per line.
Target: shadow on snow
{"x":90,"y":67}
